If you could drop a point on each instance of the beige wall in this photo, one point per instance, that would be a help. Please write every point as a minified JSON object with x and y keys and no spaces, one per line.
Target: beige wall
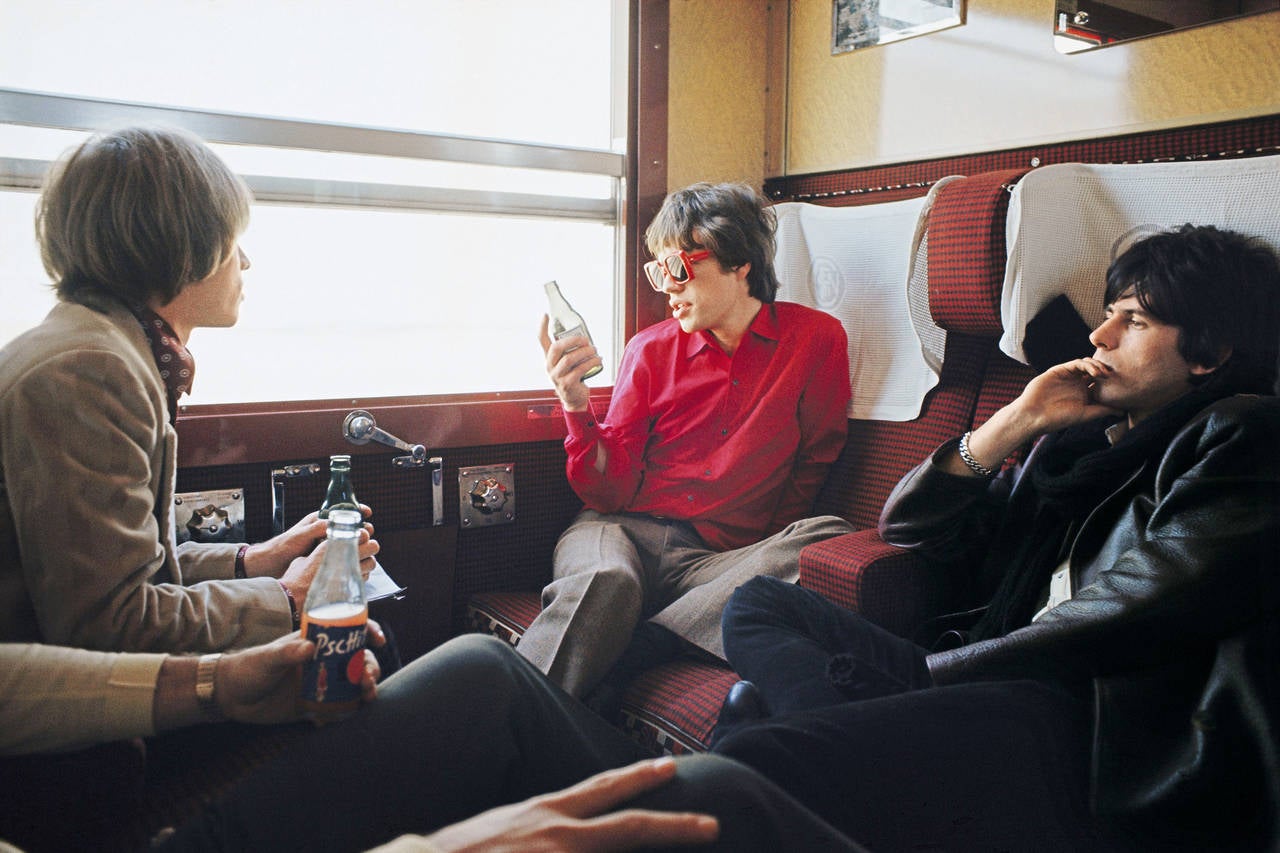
{"x":716,"y":99}
{"x":996,"y":82}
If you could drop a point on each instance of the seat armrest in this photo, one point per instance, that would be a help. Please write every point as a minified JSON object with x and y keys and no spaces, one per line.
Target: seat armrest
{"x":894,"y":588}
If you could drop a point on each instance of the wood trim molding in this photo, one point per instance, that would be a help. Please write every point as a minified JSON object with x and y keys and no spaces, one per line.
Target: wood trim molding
{"x":1250,"y":137}
{"x":647,"y":174}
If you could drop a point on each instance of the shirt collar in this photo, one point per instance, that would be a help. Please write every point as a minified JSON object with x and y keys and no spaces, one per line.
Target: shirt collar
{"x":765,"y":325}
{"x":1117,"y":431}
{"x":174,"y":361}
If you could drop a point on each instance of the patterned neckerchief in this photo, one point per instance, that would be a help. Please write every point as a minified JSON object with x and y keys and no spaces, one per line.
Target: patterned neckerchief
{"x":177,"y":367}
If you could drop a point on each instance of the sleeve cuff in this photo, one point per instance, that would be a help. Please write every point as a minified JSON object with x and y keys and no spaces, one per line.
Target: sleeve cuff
{"x":130,"y":694}
{"x":583,"y":426}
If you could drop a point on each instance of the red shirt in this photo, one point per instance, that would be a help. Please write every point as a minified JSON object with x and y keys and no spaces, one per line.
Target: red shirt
{"x":740,"y":445}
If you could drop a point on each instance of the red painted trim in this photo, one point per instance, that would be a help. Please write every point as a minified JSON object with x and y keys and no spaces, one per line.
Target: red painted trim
{"x":279,"y":432}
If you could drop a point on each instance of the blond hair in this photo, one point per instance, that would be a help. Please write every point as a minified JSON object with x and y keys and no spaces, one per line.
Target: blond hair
{"x":139,"y":213}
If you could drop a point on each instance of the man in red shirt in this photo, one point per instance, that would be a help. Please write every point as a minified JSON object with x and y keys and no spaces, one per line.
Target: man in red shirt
{"x":722,"y":425}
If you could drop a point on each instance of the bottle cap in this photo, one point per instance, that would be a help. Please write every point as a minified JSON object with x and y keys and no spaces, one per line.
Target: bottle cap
{"x":340,"y":457}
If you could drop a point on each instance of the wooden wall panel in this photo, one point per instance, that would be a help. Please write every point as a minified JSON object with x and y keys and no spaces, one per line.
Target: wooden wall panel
{"x":994,"y":83}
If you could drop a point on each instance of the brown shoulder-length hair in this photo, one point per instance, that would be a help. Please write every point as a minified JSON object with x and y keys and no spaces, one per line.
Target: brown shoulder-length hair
{"x":139,"y":213}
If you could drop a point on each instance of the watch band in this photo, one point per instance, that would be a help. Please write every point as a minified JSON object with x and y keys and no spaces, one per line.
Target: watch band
{"x":206,"y":672}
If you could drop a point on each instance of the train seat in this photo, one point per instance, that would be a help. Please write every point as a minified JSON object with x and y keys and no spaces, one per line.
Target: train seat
{"x":961,"y":267}
{"x":954,"y":277}
{"x":1064,"y":224}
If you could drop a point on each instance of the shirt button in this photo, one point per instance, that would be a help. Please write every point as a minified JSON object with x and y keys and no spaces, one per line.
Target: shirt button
{"x":735,"y":383}
{"x":706,"y":473}
{"x":689,"y":498}
{"x":724,"y":432}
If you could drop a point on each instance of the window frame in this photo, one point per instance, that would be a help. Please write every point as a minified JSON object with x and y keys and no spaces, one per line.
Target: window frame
{"x":234,"y":433}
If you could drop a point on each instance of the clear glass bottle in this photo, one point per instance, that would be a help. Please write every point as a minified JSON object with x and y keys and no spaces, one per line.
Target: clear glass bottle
{"x":565,"y":321}
{"x":335,"y":617}
{"x":340,"y":494}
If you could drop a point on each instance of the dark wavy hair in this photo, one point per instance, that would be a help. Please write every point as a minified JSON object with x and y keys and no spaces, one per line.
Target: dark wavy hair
{"x":1220,"y":288}
{"x":731,"y":220}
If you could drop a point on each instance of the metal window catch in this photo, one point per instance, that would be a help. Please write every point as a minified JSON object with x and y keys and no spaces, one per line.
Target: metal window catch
{"x":359,"y":427}
{"x":278,"y":476}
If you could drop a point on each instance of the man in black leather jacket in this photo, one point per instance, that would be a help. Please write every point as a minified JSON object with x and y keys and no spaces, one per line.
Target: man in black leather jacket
{"x":1120,"y":687}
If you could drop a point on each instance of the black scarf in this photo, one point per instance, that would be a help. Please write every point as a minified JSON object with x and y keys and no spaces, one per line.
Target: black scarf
{"x":1075,"y":470}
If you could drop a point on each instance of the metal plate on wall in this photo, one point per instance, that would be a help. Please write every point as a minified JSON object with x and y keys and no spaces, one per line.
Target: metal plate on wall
{"x":216,"y":515}
{"x":486,"y":495}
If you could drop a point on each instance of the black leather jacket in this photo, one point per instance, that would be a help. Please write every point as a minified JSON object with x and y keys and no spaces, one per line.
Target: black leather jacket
{"x":1175,"y":622}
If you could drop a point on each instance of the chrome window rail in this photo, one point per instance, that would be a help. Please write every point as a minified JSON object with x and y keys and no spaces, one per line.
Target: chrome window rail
{"x":66,"y":112}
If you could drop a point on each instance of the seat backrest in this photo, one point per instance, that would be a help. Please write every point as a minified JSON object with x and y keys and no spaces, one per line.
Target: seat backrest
{"x":853,"y":263}
{"x":1067,"y":221}
{"x":956,"y":279}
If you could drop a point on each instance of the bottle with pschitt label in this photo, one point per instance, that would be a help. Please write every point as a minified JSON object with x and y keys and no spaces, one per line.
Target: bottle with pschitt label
{"x":565,"y":321}
{"x":335,"y":617}
{"x":340,"y":494}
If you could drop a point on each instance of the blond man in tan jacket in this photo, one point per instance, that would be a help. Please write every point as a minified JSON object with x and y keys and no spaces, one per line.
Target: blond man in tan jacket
{"x":139,"y":231}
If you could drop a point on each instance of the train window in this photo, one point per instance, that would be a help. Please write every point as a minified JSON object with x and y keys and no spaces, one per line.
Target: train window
{"x":420,"y":170}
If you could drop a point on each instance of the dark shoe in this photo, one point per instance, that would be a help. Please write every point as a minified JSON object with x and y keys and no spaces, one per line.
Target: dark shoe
{"x":743,"y":704}
{"x":651,"y":645}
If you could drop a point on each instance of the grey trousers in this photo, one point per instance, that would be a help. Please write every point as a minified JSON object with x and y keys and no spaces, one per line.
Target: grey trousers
{"x":612,"y":571}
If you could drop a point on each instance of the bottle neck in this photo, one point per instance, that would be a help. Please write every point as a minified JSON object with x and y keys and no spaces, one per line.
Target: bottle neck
{"x":559,"y":305}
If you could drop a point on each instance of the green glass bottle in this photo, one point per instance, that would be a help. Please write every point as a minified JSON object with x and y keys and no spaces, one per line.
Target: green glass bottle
{"x":340,"y":494}
{"x":565,"y":321}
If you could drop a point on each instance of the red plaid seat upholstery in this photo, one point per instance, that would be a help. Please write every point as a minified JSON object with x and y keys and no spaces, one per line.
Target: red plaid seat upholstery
{"x":966,"y":264}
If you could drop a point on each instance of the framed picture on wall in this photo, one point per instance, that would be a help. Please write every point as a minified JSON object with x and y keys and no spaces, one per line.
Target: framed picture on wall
{"x":866,"y":23}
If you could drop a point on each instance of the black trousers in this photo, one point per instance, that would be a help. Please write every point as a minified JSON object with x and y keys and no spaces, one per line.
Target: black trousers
{"x":470,"y":726}
{"x":980,"y":766}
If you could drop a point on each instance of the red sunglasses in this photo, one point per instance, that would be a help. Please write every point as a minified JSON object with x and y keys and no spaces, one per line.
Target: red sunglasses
{"x":678,"y":265}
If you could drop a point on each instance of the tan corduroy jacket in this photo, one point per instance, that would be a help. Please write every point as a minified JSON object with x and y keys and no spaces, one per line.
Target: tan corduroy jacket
{"x":87,"y":467}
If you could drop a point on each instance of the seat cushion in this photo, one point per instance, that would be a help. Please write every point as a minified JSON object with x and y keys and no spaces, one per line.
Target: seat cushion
{"x":669,"y":709}
{"x":672,"y":708}
{"x":503,"y":614}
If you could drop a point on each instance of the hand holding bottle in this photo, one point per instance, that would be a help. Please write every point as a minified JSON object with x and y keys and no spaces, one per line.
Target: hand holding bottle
{"x":260,"y":684}
{"x":297,"y":543}
{"x":572,"y":357}
{"x":568,"y":362}
{"x":302,"y":570}
{"x":253,"y":685}
{"x":273,"y":557}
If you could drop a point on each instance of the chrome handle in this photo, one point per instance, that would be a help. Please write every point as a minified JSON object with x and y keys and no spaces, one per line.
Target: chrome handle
{"x":437,"y":491}
{"x":278,"y":476}
{"x":359,"y":427}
